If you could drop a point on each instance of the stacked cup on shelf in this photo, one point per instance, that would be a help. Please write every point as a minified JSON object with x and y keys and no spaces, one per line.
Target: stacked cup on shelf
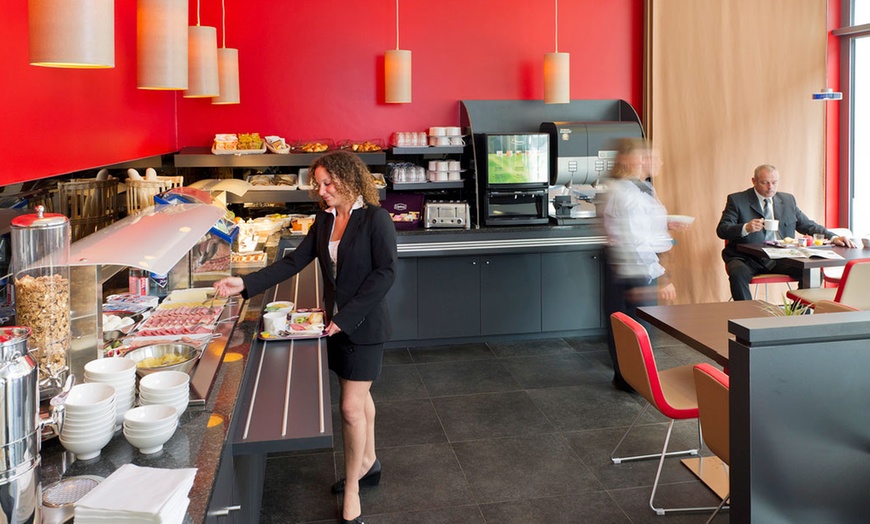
{"x":444,"y":170}
{"x":445,"y":136}
{"x":120,"y":373}
{"x":170,"y":388}
{"x":89,"y":419}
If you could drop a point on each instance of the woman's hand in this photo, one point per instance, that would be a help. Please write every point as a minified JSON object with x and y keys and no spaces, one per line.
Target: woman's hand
{"x":229,"y":286}
{"x":332,"y":329}
{"x":668,"y":293}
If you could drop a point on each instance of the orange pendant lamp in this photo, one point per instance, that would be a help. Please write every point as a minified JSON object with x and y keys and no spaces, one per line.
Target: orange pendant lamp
{"x":72,"y":33}
{"x":202,"y":61}
{"x":161,"y":44}
{"x":397,"y":72}
{"x":557,"y":72}
{"x":228,"y":67}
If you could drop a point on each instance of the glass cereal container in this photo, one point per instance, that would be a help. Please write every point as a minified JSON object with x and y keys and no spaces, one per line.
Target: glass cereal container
{"x":40,"y":256}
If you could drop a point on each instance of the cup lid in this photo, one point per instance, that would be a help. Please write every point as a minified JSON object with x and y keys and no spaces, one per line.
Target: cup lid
{"x":40,"y":219}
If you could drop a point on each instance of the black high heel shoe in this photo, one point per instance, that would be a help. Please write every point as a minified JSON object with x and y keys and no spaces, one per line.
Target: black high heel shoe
{"x":371,"y":478}
{"x":354,"y":521}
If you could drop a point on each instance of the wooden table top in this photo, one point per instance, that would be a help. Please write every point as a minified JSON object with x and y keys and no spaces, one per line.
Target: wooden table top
{"x":703,"y":327}
{"x":848,"y":254}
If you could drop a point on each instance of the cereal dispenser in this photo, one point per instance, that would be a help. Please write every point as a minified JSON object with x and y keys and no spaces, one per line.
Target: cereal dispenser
{"x":40,"y":255}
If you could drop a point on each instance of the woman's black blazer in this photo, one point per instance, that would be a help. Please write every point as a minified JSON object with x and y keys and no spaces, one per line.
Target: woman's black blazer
{"x":366,"y":270}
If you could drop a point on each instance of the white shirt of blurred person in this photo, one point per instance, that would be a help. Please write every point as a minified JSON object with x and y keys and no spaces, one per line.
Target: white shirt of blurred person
{"x":637,"y":227}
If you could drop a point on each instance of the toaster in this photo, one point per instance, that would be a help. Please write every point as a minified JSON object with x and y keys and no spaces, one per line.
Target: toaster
{"x":442,"y":213}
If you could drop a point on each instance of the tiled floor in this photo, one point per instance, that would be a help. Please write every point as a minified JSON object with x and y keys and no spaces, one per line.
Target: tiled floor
{"x":516,"y":432}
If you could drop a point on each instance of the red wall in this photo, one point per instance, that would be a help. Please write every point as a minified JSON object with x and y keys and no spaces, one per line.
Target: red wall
{"x":311,"y":70}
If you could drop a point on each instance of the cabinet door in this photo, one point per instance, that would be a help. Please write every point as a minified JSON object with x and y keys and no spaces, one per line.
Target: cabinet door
{"x":571,"y":290}
{"x":402,"y":300}
{"x":510,"y":294}
{"x":448,"y":298}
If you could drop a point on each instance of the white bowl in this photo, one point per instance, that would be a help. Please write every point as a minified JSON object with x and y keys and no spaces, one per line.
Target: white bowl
{"x":86,"y":449}
{"x":107,"y":368}
{"x":90,"y":434}
{"x":85,"y":414}
{"x":151,"y":432}
{"x":165,"y":381}
{"x":89,"y":396}
{"x":682,"y":219}
{"x":156,"y":398}
{"x":180,"y":406}
{"x":146,"y":417}
{"x":282,"y":306}
{"x":149,"y":444}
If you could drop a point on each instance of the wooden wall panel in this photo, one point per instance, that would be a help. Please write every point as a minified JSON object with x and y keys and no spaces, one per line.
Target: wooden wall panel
{"x":728,"y":86}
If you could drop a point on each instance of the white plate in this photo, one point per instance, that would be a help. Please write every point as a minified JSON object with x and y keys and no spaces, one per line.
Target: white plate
{"x":239,"y":151}
{"x":683,"y":219}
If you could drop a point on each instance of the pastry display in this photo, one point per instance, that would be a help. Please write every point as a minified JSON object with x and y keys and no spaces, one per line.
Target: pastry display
{"x":250,"y":141}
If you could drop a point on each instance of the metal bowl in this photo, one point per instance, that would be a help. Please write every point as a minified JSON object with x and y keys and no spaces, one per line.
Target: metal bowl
{"x":188,"y":352}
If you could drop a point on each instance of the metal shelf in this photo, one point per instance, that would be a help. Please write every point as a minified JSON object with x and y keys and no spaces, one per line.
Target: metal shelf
{"x":203,"y":157}
{"x":427,"y":186}
{"x":278,"y":196}
{"x":424,"y":150}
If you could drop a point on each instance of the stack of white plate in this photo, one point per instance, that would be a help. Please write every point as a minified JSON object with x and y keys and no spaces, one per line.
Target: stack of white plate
{"x":149,"y":427}
{"x":120,"y":372}
{"x":89,"y":419}
{"x":170,"y":388}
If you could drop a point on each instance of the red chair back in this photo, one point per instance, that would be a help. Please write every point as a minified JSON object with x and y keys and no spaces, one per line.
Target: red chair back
{"x":713,"y":387}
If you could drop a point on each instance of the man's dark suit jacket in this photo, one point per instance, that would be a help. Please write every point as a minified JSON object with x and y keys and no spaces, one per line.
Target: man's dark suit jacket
{"x":743,"y":207}
{"x":366,"y":270}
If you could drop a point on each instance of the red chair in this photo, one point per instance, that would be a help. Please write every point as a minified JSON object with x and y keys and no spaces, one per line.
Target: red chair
{"x":766,"y":279}
{"x":713,"y":387}
{"x":671,"y":392}
{"x":851,"y":291}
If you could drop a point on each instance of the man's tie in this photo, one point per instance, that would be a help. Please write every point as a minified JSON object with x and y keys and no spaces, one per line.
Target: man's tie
{"x":768,"y":215}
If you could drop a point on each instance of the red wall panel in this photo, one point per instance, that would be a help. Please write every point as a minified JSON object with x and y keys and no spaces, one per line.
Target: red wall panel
{"x":310,"y":70}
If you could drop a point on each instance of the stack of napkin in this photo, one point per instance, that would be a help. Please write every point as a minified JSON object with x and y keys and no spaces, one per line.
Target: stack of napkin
{"x":134,"y":495}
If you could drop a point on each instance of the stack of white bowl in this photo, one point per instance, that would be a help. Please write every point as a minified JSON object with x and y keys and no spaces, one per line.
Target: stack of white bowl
{"x":89,"y":419}
{"x":170,"y":388}
{"x":120,"y":372}
{"x":149,"y":427}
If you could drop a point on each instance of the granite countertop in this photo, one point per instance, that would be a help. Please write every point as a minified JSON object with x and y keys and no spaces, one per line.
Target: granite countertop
{"x":197,"y":443}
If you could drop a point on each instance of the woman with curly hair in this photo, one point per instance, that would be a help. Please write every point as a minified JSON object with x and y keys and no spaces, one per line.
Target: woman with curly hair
{"x":354,"y":241}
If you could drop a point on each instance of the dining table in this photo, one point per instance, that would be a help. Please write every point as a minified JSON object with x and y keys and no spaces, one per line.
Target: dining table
{"x":809,"y":266}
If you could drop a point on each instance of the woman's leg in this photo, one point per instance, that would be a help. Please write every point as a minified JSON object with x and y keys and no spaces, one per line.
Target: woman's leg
{"x":355,"y":399}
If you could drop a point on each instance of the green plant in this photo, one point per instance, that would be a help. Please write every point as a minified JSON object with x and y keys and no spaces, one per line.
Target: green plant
{"x":787,"y":308}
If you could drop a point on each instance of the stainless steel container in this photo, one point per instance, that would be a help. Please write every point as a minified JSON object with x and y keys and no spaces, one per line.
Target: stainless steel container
{"x":40,"y":260}
{"x":20,"y":428}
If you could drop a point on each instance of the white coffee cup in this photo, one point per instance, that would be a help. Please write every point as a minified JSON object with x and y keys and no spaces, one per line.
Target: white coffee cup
{"x":442,"y":165}
{"x":437,"y":131}
{"x":442,"y":141}
{"x":456,"y":141}
{"x":454,"y":175}
{"x":453,"y":165}
{"x":454,"y":131}
{"x":275,"y":322}
{"x":433,"y":165}
{"x":866,"y":242}
{"x":441,"y":176}
{"x":771,"y":225}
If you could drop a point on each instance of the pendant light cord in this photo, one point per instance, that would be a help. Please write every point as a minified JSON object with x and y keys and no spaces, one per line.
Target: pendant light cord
{"x":557,"y":25}
{"x":223,"y":25}
{"x":397,"y":25}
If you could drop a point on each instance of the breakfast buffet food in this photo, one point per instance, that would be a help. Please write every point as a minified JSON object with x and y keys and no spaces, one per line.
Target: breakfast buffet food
{"x":313,"y":147}
{"x":42,"y":303}
{"x":367,"y":146}
{"x":226,"y":142}
{"x":250,"y":141}
{"x":276,"y":144}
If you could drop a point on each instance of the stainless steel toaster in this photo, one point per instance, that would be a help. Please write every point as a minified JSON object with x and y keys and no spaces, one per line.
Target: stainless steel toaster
{"x":441,"y":213}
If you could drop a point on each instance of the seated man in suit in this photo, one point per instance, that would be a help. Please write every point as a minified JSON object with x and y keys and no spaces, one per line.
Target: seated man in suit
{"x":743,"y":222}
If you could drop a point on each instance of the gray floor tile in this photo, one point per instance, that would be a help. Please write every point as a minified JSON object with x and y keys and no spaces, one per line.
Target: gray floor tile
{"x":398,"y":383}
{"x":490,"y":415}
{"x":397,"y":357}
{"x":407,"y":423}
{"x":590,"y":406}
{"x":560,"y":370}
{"x":530,"y":348}
{"x":523,"y":467}
{"x":452,"y":353}
{"x":635,"y":503}
{"x":296,"y":489}
{"x":417,"y":478}
{"x":587,"y":344}
{"x":466,"y":377}
{"x":593,"y":506}
{"x":469,"y":514}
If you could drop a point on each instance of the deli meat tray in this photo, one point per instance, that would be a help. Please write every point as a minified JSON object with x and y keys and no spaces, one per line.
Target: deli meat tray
{"x":185,"y":312}
{"x":304,"y":323}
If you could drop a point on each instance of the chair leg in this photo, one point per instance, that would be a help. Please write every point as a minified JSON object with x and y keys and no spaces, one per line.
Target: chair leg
{"x":663,"y":511}
{"x":619,"y":460}
{"x":721,"y":506}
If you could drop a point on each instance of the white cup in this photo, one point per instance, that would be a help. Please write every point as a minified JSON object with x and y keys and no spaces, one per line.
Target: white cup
{"x":433,"y":140}
{"x":453,"y":165}
{"x":454,"y":175}
{"x":457,"y":141}
{"x":454,"y":131}
{"x":441,"y":176}
{"x":437,"y":131}
{"x":275,"y":322}
{"x":442,"y":165}
{"x":433,"y":165}
{"x":771,"y":225}
{"x":443,"y":141}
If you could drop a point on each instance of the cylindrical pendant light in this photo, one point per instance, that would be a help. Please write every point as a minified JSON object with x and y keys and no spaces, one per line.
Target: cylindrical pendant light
{"x":397,"y":72}
{"x":72,"y":33}
{"x":228,"y":73}
{"x":161,"y":44}
{"x":228,"y":67}
{"x":557,"y":72}
{"x":557,"y":78}
{"x":202,"y":68}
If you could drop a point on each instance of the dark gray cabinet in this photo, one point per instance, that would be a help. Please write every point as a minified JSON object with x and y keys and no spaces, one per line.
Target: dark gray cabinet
{"x":448,"y":297}
{"x":510,"y":294}
{"x":402,"y":300}
{"x":571,"y":290}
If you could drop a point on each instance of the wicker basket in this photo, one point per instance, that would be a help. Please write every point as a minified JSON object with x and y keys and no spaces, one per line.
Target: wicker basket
{"x":140,"y":193}
{"x":90,"y":204}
